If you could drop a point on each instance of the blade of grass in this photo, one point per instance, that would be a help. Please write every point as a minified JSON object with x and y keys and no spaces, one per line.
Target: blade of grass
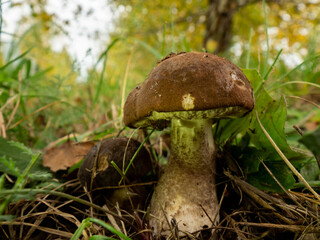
{"x":249,"y":49}
{"x":14,"y":45}
{"x":87,"y":223}
{"x":298,"y":66}
{"x":110,"y":228}
{"x":138,"y":150}
{"x":15,"y":59}
{"x":271,"y":67}
{"x":173,"y":47}
{"x":0,"y":19}
{"x":2,"y":181}
{"x":292,"y":168}
{"x":103,"y":56}
{"x":117,"y":169}
{"x":185,"y":43}
{"x":136,"y":153}
{"x":306,"y":100}
{"x":39,"y":110}
{"x":39,"y":74}
{"x":77,"y":234}
{"x":20,"y":65}
{"x":267,"y":36}
{"x":294,"y":82}
{"x":163,"y":41}
{"x":17,"y":103}
{"x":151,"y":49}
{"x":3,"y":132}
{"x":124,"y":84}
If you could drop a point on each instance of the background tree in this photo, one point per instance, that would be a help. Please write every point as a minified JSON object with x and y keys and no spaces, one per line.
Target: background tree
{"x":216,"y":26}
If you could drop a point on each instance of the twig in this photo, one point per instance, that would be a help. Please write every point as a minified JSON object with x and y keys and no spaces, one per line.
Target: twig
{"x":64,"y":195}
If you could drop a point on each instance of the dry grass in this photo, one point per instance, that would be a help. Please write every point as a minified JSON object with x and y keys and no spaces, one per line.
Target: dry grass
{"x":253,"y":214}
{"x":246,"y":213}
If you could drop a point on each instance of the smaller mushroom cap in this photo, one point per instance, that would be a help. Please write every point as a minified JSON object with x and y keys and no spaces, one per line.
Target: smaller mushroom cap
{"x":189,"y":86}
{"x":113,"y":150}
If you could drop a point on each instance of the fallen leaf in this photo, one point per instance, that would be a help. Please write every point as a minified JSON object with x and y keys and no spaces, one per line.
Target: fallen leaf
{"x":65,"y":155}
{"x":310,"y":126}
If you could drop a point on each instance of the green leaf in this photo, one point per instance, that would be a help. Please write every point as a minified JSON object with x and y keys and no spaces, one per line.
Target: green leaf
{"x":227,"y":129}
{"x":312,"y":141}
{"x":255,"y":79}
{"x":273,"y":114}
{"x":264,"y":181}
{"x":248,"y":159}
{"x":16,"y":154}
{"x":9,"y":166}
{"x":15,"y":158}
{"x":311,"y":171}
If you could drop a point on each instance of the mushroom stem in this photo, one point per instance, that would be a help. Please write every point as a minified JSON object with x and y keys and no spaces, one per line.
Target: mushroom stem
{"x":186,"y":192}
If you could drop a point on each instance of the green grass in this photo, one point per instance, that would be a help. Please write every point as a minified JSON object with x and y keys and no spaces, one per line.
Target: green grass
{"x":87,"y":223}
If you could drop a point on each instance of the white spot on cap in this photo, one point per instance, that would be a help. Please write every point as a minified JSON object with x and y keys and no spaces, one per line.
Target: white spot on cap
{"x":187,"y":101}
{"x":234,"y":76}
{"x":237,"y":79}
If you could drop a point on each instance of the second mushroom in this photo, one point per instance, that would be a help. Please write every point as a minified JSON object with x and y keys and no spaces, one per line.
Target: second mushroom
{"x":188,"y":92}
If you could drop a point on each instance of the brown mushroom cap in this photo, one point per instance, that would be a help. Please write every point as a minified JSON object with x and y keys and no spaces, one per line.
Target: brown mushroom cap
{"x":189,"y":86}
{"x":113,"y":150}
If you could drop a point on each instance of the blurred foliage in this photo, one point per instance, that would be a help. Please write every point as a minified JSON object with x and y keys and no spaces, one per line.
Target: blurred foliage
{"x":179,"y":26}
{"x":41,"y":97}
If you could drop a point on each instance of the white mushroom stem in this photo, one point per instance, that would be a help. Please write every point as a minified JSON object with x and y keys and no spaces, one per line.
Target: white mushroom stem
{"x":186,"y":193}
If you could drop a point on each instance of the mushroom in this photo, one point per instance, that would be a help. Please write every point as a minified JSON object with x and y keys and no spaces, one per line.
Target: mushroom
{"x":97,"y":171}
{"x":188,"y":92}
